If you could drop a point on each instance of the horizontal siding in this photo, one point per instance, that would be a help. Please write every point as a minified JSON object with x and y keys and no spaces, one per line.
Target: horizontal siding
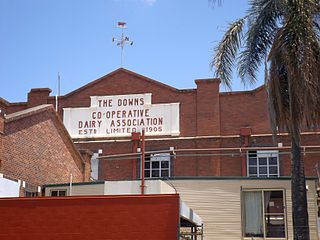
{"x":218,"y":203}
{"x":79,"y":190}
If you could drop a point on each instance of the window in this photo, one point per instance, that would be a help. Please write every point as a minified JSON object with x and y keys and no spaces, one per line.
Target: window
{"x":58,"y":193}
{"x":157,"y":165}
{"x":264,"y":214}
{"x":31,"y":194}
{"x":263,"y":164}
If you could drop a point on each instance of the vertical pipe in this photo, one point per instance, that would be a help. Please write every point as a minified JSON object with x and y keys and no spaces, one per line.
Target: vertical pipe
{"x":244,"y":157}
{"x":70,"y":187}
{"x":142,"y":161}
{"x":56,"y":103}
{"x":58,"y":93}
{"x":135,"y":137}
{"x":244,"y":165}
{"x":134,"y":161}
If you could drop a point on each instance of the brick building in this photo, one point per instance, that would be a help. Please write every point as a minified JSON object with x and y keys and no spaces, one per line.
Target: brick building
{"x":189,"y":132}
{"x":36,"y":149}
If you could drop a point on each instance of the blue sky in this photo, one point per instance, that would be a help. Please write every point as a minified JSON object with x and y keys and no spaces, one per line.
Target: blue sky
{"x":173,"y":41}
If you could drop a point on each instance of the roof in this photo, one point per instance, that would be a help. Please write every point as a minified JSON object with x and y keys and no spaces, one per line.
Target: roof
{"x":188,"y":217}
{"x":74,"y":184}
{"x":253,"y":91}
{"x":283,"y":178}
{"x":117,"y":71}
{"x":48,"y":108}
{"x":28,"y":112}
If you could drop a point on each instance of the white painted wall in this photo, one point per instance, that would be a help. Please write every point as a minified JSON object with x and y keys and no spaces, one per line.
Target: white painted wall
{"x":8,"y":188}
{"x":133,"y":187}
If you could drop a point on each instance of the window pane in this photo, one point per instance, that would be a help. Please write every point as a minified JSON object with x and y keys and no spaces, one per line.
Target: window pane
{"x":253,"y":214}
{"x":273,"y":202}
{"x":155,"y":164}
{"x":273,"y":170}
{"x":252,"y":161}
{"x":164,"y":173}
{"x":252,"y":170}
{"x":275,"y":227}
{"x":262,"y":161}
{"x":31,"y":194}
{"x":274,"y":214}
{"x":165,"y":164}
{"x":62,"y":193}
{"x":252,"y":154}
{"x":147,"y":165}
{"x":54,"y":193}
{"x":273,"y":160}
{"x":155,"y":173}
{"x":147,"y":173}
{"x":262,"y":170}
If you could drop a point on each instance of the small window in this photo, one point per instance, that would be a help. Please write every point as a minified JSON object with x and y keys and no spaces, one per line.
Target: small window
{"x":263,"y":164}
{"x":264,"y":214}
{"x":157,"y":165}
{"x":31,"y":194}
{"x":58,"y":193}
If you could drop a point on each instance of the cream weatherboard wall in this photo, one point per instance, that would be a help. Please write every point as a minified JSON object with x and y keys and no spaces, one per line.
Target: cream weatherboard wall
{"x":111,"y":188}
{"x":216,"y":200}
{"x":218,"y":203}
{"x":78,"y":189}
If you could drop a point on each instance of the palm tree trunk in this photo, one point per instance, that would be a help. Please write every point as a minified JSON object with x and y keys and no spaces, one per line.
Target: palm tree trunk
{"x":298,"y":194}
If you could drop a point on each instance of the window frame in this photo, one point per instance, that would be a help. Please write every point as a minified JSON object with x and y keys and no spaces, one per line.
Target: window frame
{"x":159,"y":169}
{"x":31,"y":194}
{"x":269,"y":154}
{"x":262,"y":190}
{"x":59,"y":190}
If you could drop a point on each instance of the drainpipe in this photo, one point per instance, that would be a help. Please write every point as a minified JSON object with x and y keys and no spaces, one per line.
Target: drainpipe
{"x":70,"y":186}
{"x":135,"y":137}
{"x":245,"y":133}
{"x":142,"y":161}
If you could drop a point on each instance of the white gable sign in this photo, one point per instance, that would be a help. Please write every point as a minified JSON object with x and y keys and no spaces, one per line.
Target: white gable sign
{"x":120,"y":115}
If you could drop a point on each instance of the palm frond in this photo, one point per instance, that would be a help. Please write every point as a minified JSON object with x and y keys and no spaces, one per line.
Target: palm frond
{"x":277,"y":87}
{"x":226,"y":52}
{"x":263,"y":23}
{"x":302,"y":60}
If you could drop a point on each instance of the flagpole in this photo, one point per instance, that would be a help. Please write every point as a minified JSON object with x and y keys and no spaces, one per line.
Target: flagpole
{"x":58,"y":93}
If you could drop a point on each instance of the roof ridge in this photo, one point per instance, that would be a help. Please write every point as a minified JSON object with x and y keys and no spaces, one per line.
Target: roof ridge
{"x":117,"y":71}
{"x":27,"y":112}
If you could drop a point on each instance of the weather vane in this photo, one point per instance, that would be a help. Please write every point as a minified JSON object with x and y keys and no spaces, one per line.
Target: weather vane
{"x":123,"y":40}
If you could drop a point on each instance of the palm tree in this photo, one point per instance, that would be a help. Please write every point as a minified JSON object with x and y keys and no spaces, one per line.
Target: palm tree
{"x":285,"y":36}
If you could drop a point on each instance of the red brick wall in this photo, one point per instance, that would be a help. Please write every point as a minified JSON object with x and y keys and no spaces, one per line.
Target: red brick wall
{"x":1,"y":138}
{"x":38,"y":152}
{"x":208,"y":107}
{"x":244,"y":109}
{"x":124,"y":83}
{"x":203,"y":112}
{"x":38,"y":96}
{"x":153,"y":217}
